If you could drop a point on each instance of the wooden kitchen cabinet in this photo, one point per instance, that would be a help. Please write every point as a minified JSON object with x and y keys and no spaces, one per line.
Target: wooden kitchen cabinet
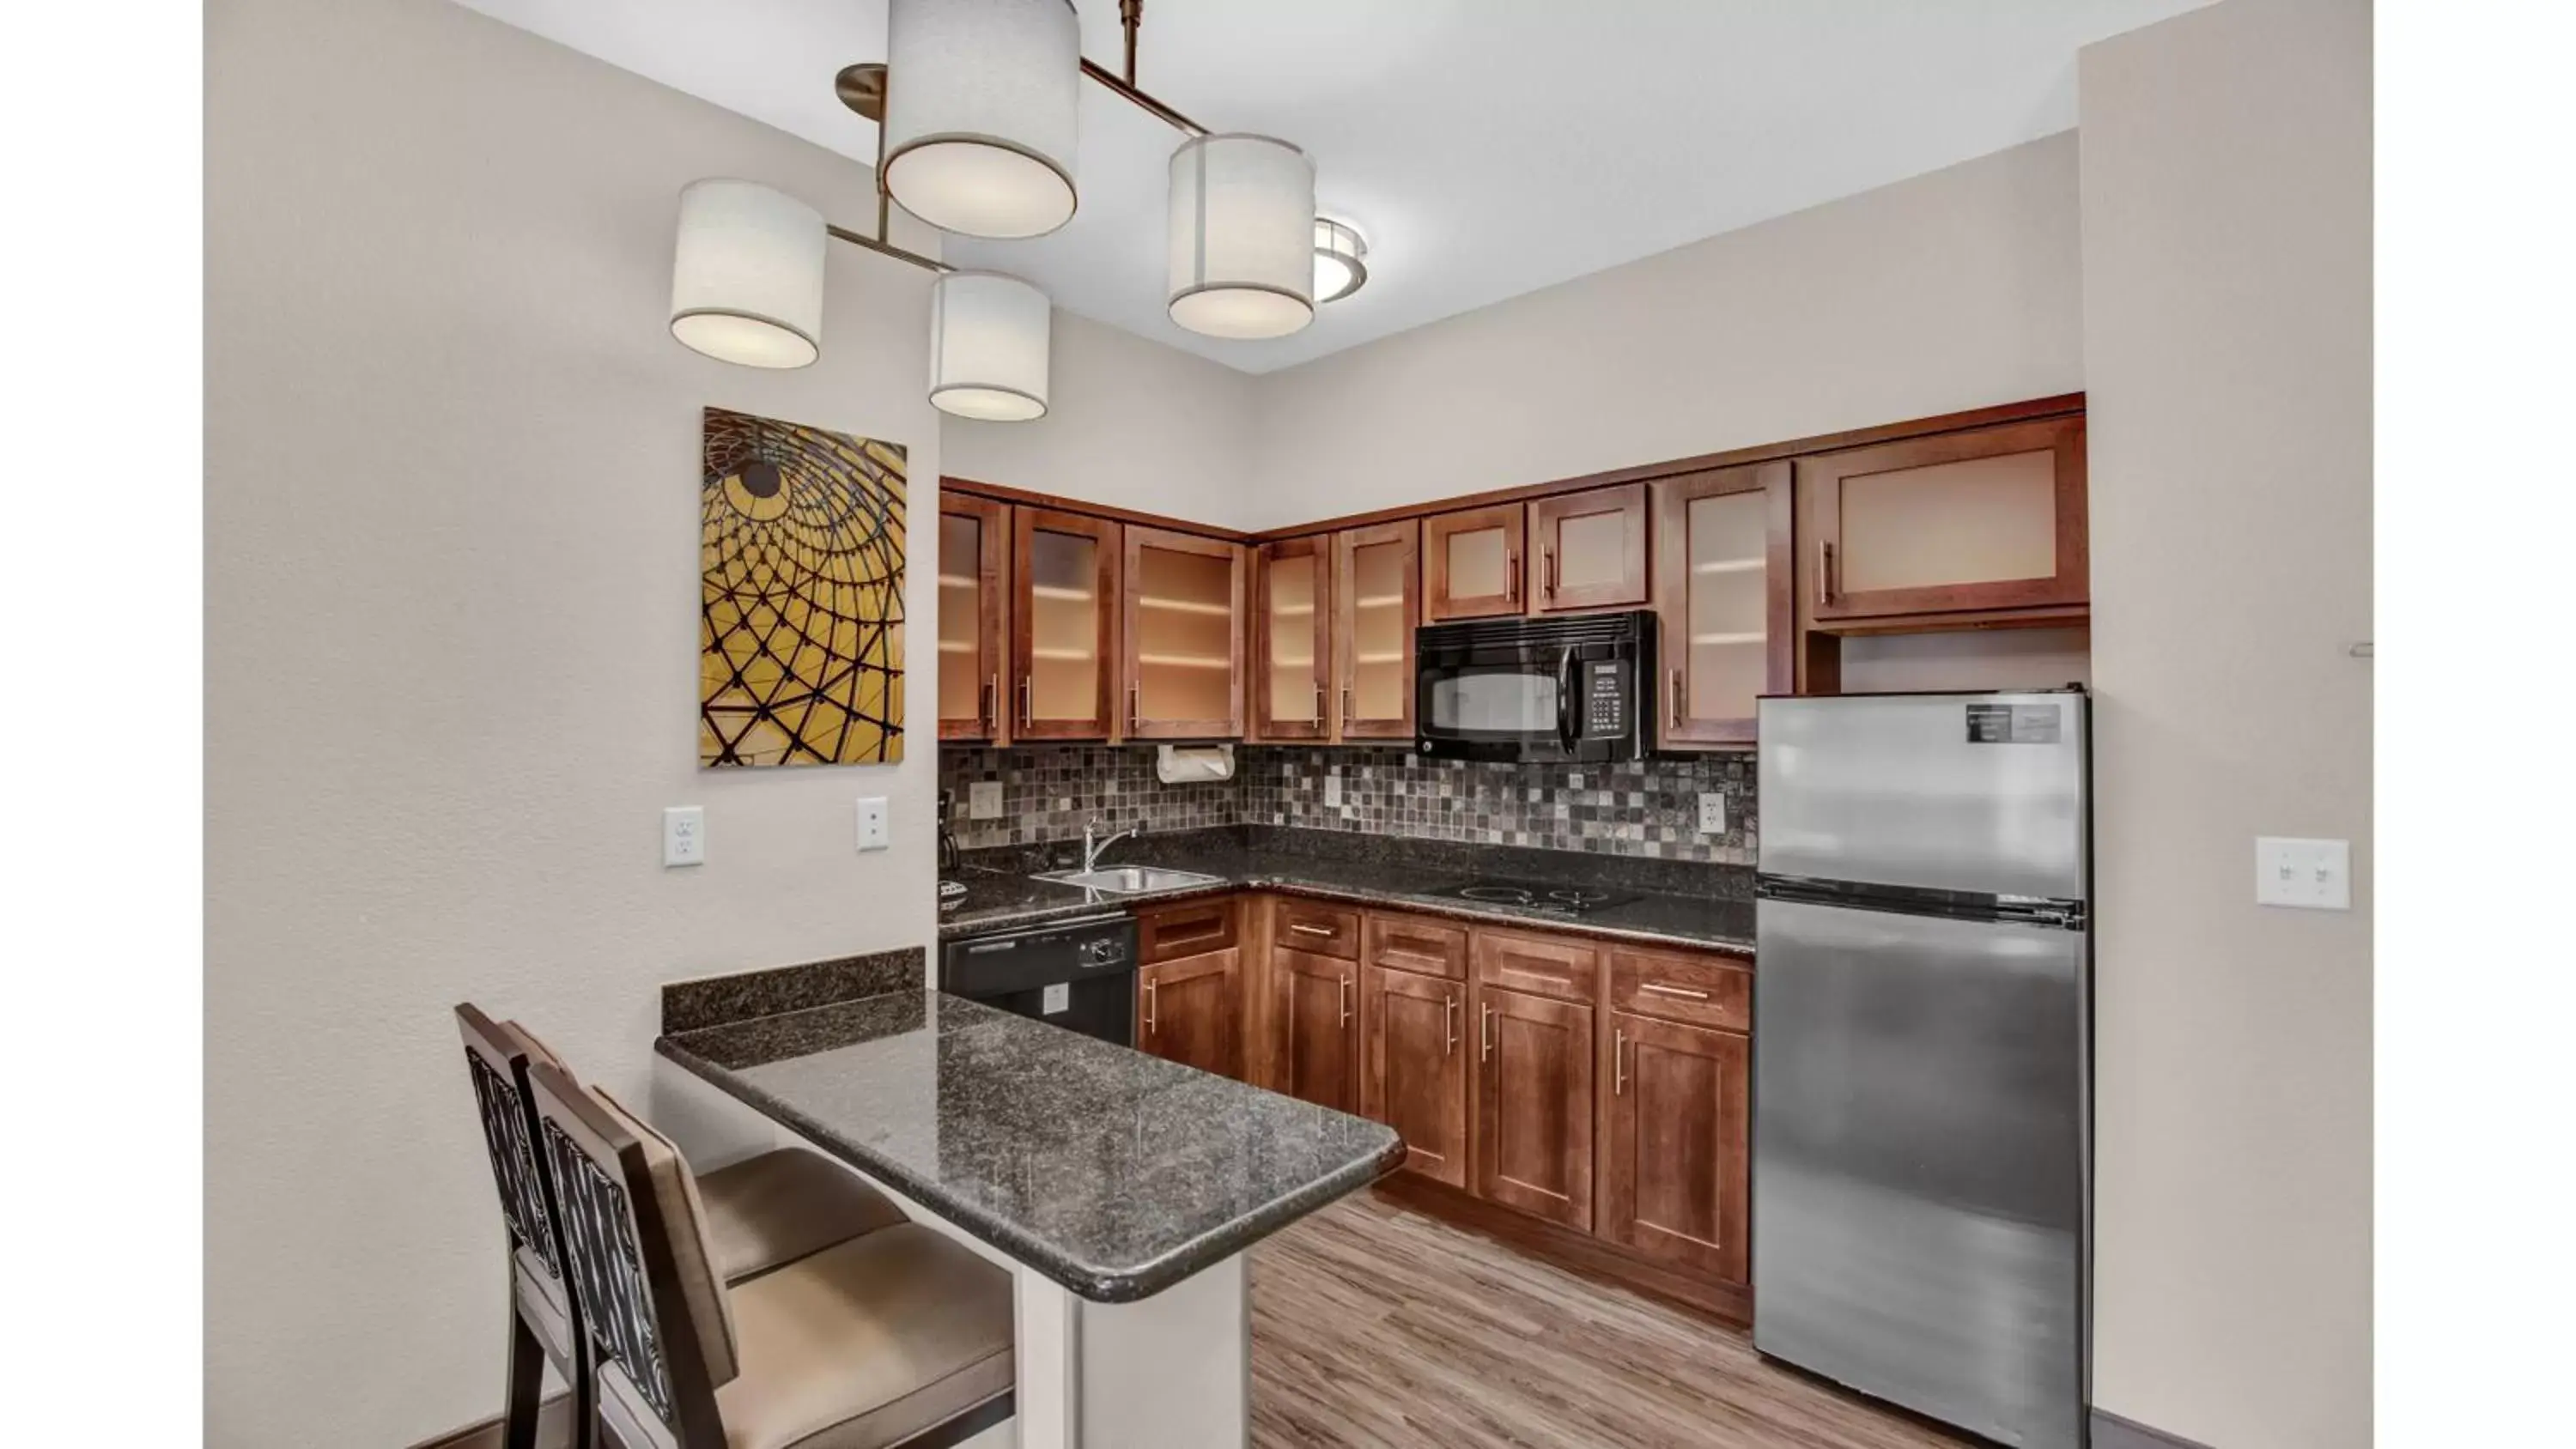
{"x":1377,"y":600}
{"x":974,"y":614}
{"x":1725,"y":597}
{"x":1322,"y":1036}
{"x":1471,"y":563}
{"x":1064,"y":624}
{"x":1588,"y":550}
{"x":1532,"y":1146}
{"x":1182,"y":626}
{"x":1675,"y":1166}
{"x":1190,"y":1010}
{"x":1989,"y":518}
{"x":1413,"y":1074}
{"x":1293,"y":616}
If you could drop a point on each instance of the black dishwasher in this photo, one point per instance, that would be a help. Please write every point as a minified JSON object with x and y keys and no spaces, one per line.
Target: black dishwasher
{"x":1080,"y":974}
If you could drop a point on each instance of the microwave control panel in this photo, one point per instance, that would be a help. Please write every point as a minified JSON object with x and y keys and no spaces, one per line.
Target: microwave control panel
{"x":1605,"y":704}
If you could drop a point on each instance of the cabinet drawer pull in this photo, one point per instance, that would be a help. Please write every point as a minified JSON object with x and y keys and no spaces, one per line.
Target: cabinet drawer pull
{"x":1824,"y":571}
{"x":1547,"y":567}
{"x":988,"y":702}
{"x":1132,"y":692}
{"x":1485,"y":1035}
{"x":1619,"y":1063}
{"x":1345,"y":999}
{"x":1678,"y":695}
{"x":1319,"y":702}
{"x":1511,"y":575}
{"x":1027,"y":717}
{"x":1302,"y":929}
{"x":1448,"y":1025}
{"x":1660,"y":989}
{"x":1150,"y":1004}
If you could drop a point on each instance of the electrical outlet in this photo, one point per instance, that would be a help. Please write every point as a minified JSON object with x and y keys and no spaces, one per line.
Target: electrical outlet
{"x":2314,"y":875}
{"x":984,"y":800}
{"x":1712,"y":813}
{"x":684,"y":835}
{"x":872,"y":822}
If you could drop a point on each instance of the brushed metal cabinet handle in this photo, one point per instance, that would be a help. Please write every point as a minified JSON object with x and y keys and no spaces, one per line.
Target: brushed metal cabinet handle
{"x":1345,"y":1001}
{"x":1660,"y":989}
{"x":1319,"y":702}
{"x":1547,"y":569}
{"x":1619,"y":1063}
{"x":1485,"y":1036}
{"x":1824,"y":571}
{"x":1678,"y":695}
{"x":1448,"y":1025}
{"x":992,"y":702}
{"x":1028,"y":710}
{"x":1133,"y":693}
{"x":1301,"y":928}
{"x":1151,"y":1003}
{"x":1511,"y":575}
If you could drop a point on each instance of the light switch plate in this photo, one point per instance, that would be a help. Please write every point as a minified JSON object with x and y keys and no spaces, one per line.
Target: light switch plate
{"x":684,"y":835}
{"x":1712,"y":813}
{"x":872,"y":822}
{"x":984,"y":800}
{"x":2312,"y":875}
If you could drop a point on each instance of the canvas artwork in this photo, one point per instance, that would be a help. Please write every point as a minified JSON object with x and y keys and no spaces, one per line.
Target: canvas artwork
{"x":800,"y":637}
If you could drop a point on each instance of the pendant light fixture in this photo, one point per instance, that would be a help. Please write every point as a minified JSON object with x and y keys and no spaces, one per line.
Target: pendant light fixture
{"x":747,"y":276}
{"x":1340,"y":259}
{"x":988,"y":347}
{"x":1242,"y":236}
{"x":981,"y":113}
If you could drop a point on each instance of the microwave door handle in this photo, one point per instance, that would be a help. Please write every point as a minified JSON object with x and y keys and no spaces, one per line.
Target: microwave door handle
{"x":1568,"y":719}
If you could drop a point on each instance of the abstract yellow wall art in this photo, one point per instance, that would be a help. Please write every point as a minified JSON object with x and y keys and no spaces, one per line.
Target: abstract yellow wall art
{"x":800,"y":635}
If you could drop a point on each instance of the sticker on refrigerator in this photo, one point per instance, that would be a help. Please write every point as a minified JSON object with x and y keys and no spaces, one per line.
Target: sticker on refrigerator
{"x":2012,"y":724}
{"x":1055,"y":999}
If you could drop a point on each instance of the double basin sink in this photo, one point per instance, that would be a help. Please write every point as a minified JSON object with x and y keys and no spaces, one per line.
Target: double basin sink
{"x":1131,"y":880}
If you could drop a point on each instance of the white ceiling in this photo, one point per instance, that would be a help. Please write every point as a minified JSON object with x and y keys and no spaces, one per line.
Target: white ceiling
{"x":1486,"y":147}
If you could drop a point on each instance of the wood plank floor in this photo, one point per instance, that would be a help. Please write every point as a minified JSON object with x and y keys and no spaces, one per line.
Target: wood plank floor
{"x":1375,"y":1325}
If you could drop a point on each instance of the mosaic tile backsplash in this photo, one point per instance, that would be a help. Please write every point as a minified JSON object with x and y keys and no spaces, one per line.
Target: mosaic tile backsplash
{"x":1646,"y":808}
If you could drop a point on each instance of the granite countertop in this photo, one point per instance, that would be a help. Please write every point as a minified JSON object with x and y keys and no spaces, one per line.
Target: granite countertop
{"x":1114,"y":1173}
{"x":1376,"y":871}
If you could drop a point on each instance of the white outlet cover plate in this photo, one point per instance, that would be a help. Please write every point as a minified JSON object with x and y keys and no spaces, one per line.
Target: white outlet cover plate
{"x":984,"y":800}
{"x":872,"y":822}
{"x":2308,"y":875}
{"x":684,"y":835}
{"x":1712,"y":813}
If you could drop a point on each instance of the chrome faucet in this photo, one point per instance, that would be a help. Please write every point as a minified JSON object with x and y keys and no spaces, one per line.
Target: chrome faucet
{"x":1091,"y":849}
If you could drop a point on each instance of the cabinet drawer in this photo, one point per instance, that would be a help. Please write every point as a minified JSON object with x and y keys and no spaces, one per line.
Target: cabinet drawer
{"x":1541,"y":965}
{"x":1321,"y":929}
{"x":1410,"y":943}
{"x":1165,"y":933}
{"x":1692,"y":990}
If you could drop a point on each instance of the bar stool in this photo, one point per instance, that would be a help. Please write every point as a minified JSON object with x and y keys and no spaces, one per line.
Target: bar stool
{"x":898,"y":1338}
{"x":762,"y":1213}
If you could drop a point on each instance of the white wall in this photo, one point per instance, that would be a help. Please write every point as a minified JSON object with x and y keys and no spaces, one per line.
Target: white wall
{"x":451,"y":660}
{"x":2227,"y":323}
{"x":1129,"y":423}
{"x":1952,"y":290}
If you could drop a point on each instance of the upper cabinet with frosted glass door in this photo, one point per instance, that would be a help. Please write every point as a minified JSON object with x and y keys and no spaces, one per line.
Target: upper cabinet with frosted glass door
{"x":974,"y":629}
{"x":1292,"y":588}
{"x":1471,"y":563}
{"x":1064,"y":625}
{"x":1724,"y":597}
{"x":1588,"y":550}
{"x":1987,"y":519}
{"x":1184,"y":627}
{"x":1377,"y":599}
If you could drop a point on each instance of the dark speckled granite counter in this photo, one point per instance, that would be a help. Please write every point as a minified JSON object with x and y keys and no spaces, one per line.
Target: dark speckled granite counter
{"x":1678,"y":904}
{"x":1109,"y":1171}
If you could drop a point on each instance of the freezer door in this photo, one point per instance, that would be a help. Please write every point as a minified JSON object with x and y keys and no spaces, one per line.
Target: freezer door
{"x":1919,"y":1162}
{"x":1961,"y":792}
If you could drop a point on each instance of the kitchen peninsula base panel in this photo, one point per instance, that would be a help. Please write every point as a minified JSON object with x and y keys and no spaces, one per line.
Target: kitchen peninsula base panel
{"x":1576,"y":1252}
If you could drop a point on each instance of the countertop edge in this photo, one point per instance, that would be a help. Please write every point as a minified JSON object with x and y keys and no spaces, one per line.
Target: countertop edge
{"x":1090,"y":1283}
{"x":1289,"y":886}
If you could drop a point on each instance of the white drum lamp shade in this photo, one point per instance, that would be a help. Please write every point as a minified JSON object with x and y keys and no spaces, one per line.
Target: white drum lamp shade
{"x":982,"y":100}
{"x":1243,"y":236}
{"x":747,"y":278}
{"x":988,"y":347}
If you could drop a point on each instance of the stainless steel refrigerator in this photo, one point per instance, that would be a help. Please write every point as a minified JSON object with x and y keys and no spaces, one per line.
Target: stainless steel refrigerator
{"x":1921,"y":1053}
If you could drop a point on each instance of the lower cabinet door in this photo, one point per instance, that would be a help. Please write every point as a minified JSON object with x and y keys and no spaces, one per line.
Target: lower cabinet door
{"x":1191,"y":1011}
{"x":1323,"y":1002}
{"x":1413,"y":1076}
{"x":1533,"y":1143}
{"x":1675,"y":1183}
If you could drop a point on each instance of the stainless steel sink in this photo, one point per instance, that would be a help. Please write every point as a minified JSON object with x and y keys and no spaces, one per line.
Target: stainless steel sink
{"x":1129,"y":880}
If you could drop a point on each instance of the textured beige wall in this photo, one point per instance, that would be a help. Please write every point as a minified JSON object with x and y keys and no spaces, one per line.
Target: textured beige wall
{"x":1129,"y":423}
{"x":2227,"y":326}
{"x":1950,"y":290}
{"x":451,"y":660}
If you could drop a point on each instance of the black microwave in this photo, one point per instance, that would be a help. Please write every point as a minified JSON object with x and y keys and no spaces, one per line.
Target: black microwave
{"x":1577,"y":689}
